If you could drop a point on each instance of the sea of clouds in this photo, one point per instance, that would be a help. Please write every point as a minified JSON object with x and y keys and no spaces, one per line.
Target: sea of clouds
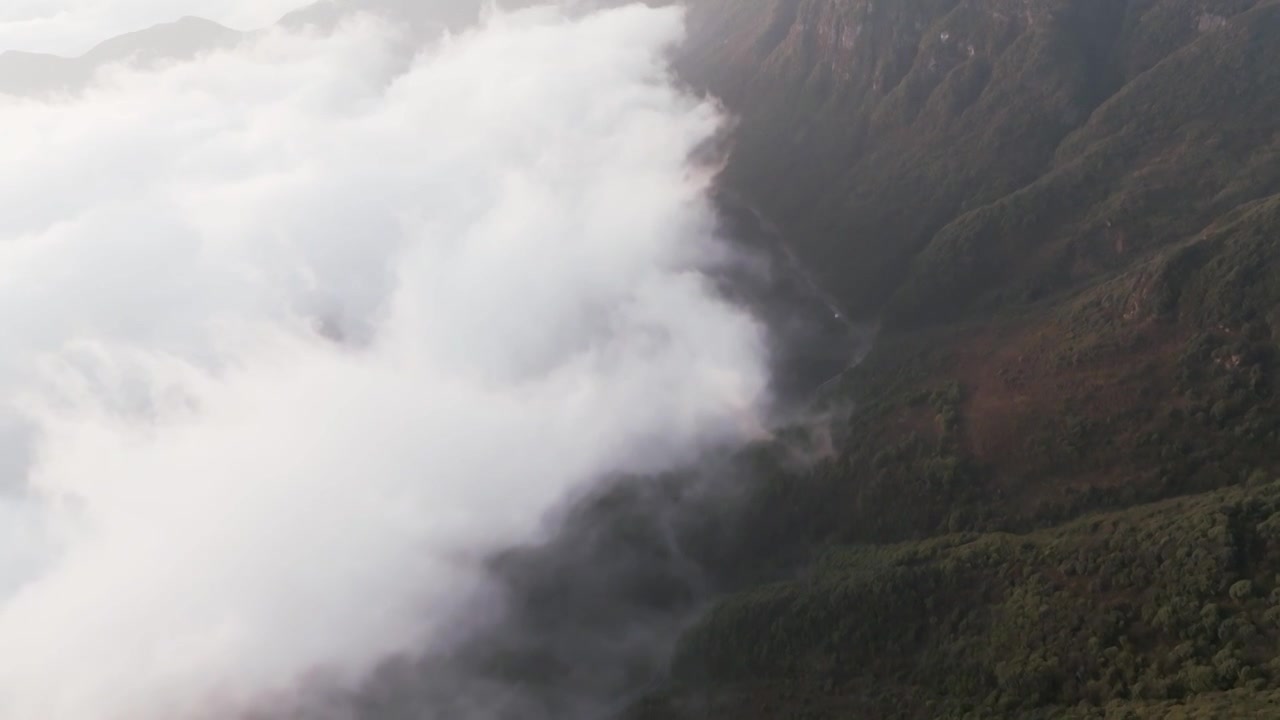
{"x":296,"y":335}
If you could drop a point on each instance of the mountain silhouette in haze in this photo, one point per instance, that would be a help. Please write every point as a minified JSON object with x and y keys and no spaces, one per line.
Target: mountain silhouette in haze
{"x":26,"y":73}
{"x":35,"y":74}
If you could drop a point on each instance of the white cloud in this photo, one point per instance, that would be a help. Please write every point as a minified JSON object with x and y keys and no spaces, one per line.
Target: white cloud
{"x":220,"y":498}
{"x":71,"y":27}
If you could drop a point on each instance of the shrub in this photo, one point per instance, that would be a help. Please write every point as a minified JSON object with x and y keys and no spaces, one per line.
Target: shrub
{"x":1242,"y":590}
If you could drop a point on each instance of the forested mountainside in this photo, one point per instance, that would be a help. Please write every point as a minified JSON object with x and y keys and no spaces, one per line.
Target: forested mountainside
{"x":1057,"y":498}
{"x":937,"y":156}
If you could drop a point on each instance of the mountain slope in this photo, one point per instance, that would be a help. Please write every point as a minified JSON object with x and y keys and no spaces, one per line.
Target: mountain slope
{"x":1021,"y":276}
{"x":870,"y":128}
{"x":1065,"y":214}
{"x":1171,"y":601}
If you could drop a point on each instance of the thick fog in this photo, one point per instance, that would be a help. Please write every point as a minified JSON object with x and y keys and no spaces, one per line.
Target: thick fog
{"x":296,"y":339}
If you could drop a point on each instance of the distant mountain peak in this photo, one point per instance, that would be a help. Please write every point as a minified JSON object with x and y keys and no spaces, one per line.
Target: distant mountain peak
{"x":27,"y":73}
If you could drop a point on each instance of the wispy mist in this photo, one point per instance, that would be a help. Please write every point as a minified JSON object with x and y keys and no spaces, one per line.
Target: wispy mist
{"x":297,"y":339}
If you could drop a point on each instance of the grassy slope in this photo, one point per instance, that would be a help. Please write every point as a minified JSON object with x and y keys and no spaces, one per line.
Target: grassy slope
{"x":1071,"y":230}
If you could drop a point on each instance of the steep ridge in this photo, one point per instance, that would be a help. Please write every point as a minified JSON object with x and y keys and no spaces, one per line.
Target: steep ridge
{"x":1013,"y":256}
{"x":1064,"y":213}
{"x":869,"y":127}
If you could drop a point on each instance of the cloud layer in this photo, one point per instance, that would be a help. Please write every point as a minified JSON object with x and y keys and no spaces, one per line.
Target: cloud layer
{"x":297,"y":338}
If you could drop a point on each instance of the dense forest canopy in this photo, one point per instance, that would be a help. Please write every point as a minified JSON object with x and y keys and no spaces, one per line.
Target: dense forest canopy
{"x":1056,"y":499}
